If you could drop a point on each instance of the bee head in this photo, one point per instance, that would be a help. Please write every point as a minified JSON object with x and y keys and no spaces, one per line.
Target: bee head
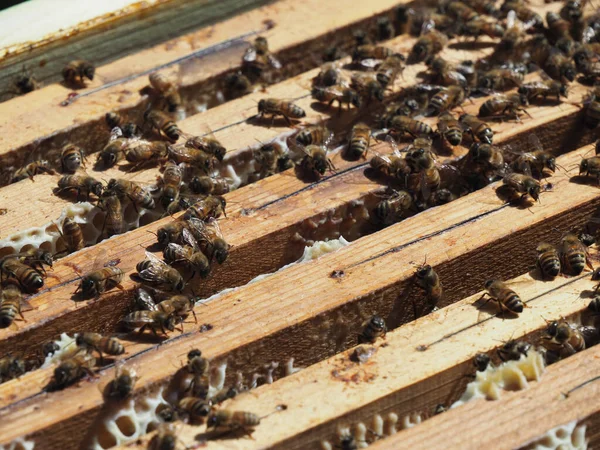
{"x":195,"y":353}
{"x":377,"y":323}
{"x":212,"y":421}
{"x":563,"y":91}
{"x":262,"y":105}
{"x":489,"y":283}
{"x":88,"y":286}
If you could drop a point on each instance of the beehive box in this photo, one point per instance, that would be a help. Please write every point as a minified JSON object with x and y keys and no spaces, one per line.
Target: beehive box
{"x":309,"y":260}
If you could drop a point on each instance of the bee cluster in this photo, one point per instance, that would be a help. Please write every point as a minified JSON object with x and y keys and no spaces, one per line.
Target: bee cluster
{"x":561,"y":48}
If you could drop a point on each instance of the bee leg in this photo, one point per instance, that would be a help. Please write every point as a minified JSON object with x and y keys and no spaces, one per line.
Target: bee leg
{"x":194,"y":314}
{"x":287,"y":119}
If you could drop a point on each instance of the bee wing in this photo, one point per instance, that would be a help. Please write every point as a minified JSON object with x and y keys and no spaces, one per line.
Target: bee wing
{"x":249,"y":54}
{"x":177,"y":149}
{"x":274,"y":62}
{"x":458,"y":77}
{"x":155,"y":260}
{"x":511,"y":19}
{"x":214,"y":223}
{"x":390,"y":140}
{"x":588,"y":35}
{"x":370,"y":63}
{"x":189,"y":238}
{"x":427,"y":26}
{"x":534,"y":142}
{"x":115,"y":133}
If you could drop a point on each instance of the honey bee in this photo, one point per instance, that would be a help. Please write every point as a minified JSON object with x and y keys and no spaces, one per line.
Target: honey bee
{"x":36,"y":259}
{"x":522,"y":184}
{"x":112,"y":153}
{"x":197,"y":158}
{"x":447,"y":99}
{"x":559,"y":27}
{"x":461,"y":11}
{"x":564,"y":338}
{"x":10,"y":306}
{"x":139,"y":152}
{"x":233,"y":420}
{"x":372,"y":329}
{"x":444,"y":73}
{"x":206,"y":185}
{"x":113,"y":218}
{"x":162,"y":123}
{"x":450,"y":128}
{"x":573,"y":254}
{"x":102,"y":344}
{"x":507,"y":299}
{"x":481,"y":362}
{"x":32,"y":169}
{"x":431,"y":42}
{"x":537,"y":162}
{"x":560,"y":67}
{"x":315,"y":162}
{"x":419,"y":155}
{"x":71,"y":158}
{"x":504,"y":107}
{"x":77,"y":70}
{"x":258,"y":58}
{"x":390,"y":68}
{"x":198,"y":367}
{"x":211,"y":206}
{"x":590,"y":167}
{"x":121,"y":386}
{"x":314,"y":134}
{"x":428,"y":280}
{"x":195,"y":407}
{"x":482,"y":27}
{"x":72,"y":235}
{"x":25,"y":83}
{"x":341,"y":94}
{"x":208,"y":144}
{"x":71,"y":370}
{"x":385,"y":29}
{"x":237,"y":84}
{"x":592,"y":108}
{"x":80,"y":183}
{"x":367,"y":86}
{"x":543,"y":89}
{"x":163,"y":85}
{"x":224,"y":394}
{"x":171,"y":183}
{"x":392,"y":209}
{"x":29,"y":279}
{"x":548,"y":260}
{"x":513,"y":350}
{"x":11,"y":367}
{"x":179,"y":306}
{"x":99,"y":281}
{"x":272,"y":158}
{"x":500,"y":79}
{"x":157,"y":273}
{"x":275,"y":107}
{"x":131,"y":190}
{"x":523,"y":13}
{"x":477,"y":128}
{"x":210,"y":239}
{"x":171,"y":232}
{"x":328,"y":76}
{"x":153,"y":320}
{"x":365,"y":54}
{"x":191,"y":256}
{"x":114,"y":119}
{"x":360,"y":138}
{"x":441,"y":197}
{"x":406,"y":125}
{"x":394,"y":165}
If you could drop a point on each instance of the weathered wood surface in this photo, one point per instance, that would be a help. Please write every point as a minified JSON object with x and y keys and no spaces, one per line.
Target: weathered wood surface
{"x":280,"y":316}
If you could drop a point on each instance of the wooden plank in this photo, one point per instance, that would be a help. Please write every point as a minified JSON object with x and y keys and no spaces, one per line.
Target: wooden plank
{"x":104,"y":38}
{"x":38,"y":125}
{"x":235,"y":133}
{"x":401,"y":378}
{"x":377,"y":269}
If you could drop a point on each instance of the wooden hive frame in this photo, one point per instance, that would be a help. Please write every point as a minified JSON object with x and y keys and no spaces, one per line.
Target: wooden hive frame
{"x":307,"y":312}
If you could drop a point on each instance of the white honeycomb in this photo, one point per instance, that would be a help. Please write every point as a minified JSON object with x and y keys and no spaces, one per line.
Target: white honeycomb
{"x":508,"y":376}
{"x":565,"y":437}
{"x":19,"y":444}
{"x":311,"y":252}
{"x":66,"y":348}
{"x":380,"y":427}
{"x":119,"y":424}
